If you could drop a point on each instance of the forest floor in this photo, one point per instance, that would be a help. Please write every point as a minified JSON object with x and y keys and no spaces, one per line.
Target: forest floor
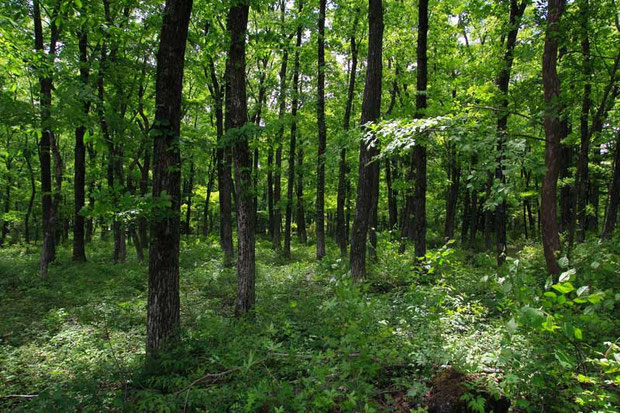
{"x":315,"y":342}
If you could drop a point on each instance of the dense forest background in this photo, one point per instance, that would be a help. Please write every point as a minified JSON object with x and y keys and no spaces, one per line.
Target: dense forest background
{"x":288,"y":205}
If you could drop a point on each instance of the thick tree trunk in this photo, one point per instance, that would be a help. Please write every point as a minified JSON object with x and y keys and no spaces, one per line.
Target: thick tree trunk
{"x":419,"y":151}
{"x":48,"y":250}
{"x":341,"y":232}
{"x":553,"y":136}
{"x":293,"y":142}
{"x":163,"y":315}
{"x":236,"y":117}
{"x":79,"y":253}
{"x":320,"y":116}
{"x":368,"y":170}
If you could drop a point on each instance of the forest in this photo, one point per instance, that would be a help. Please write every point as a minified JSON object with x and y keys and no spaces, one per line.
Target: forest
{"x":309,"y":205}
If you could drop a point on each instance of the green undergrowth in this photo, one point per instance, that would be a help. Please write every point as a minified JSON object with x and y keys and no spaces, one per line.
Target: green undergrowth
{"x":315,"y":342}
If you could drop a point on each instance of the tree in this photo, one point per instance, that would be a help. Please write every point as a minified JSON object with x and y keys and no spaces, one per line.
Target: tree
{"x":293,"y":140}
{"x":45,"y":73}
{"x":79,"y":253}
{"x":503,"y":81}
{"x":163,"y":314}
{"x":368,"y":180}
{"x":553,"y":136}
{"x":320,"y":117}
{"x":236,"y":118}
{"x":419,"y":151}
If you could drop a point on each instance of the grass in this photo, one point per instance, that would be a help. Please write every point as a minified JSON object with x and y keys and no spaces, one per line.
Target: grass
{"x":315,"y":342}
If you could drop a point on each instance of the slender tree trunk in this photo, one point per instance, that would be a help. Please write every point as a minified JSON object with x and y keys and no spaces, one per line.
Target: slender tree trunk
{"x":236,"y":117}
{"x":368,"y":170}
{"x":190,"y":190}
{"x":419,"y":151}
{"x":503,"y":82}
{"x":33,"y":192}
{"x":341,"y":233}
{"x":391,"y":194}
{"x":320,"y":116}
{"x":205,"y":217}
{"x":293,"y":143}
{"x":277,"y":189}
{"x":224,"y":177}
{"x":465,"y":220}
{"x":452,"y":196}
{"x":79,"y":253}
{"x":48,"y":250}
{"x":163,"y":315}
{"x":301,"y":214}
{"x":553,"y":135}
{"x":614,"y":196}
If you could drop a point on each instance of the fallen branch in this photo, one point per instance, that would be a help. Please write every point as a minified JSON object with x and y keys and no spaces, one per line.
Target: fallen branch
{"x":24,"y":396}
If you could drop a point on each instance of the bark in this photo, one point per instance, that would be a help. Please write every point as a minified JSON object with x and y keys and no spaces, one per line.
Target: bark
{"x":163,"y":315}
{"x":553,"y":136}
{"x":465,"y":220}
{"x":452,"y":195}
{"x":614,"y":196}
{"x":33,"y":192}
{"x":503,"y":82}
{"x":322,"y":129}
{"x":236,"y":117}
{"x":293,"y":142}
{"x":48,"y":250}
{"x":371,"y":111}
{"x":205,"y":217}
{"x":79,"y":253}
{"x":341,"y":232}
{"x":419,"y":151}
{"x":277,"y":188}
{"x":224,"y":177}
{"x":190,"y":190}
{"x":301,"y":214}
{"x":391,"y":194}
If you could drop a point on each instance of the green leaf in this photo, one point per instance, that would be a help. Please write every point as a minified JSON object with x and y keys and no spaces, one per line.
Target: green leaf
{"x":578,"y":334}
{"x":563,"y":288}
{"x":565,"y":276}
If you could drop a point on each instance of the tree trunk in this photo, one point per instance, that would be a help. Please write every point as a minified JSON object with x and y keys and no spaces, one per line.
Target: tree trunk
{"x":48,"y":250}
{"x":503,"y":82}
{"x":293,"y":142}
{"x":301,"y":215}
{"x":553,"y":136}
{"x":371,"y":110}
{"x":205,"y":218}
{"x":79,"y":253}
{"x":33,"y":191}
{"x":224,"y":178}
{"x":320,"y":116}
{"x":452,"y":196}
{"x":614,"y":196}
{"x":419,"y":151}
{"x":236,"y":117}
{"x":163,"y":314}
{"x":190,"y":190}
{"x":277,"y":188}
{"x":341,"y":233}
